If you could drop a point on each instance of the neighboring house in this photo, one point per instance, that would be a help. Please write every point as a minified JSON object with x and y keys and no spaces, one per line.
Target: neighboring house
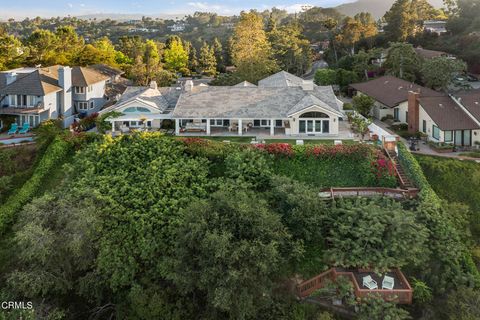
{"x":33,"y":95}
{"x":177,"y":27}
{"x":447,"y":118}
{"x":281,"y":104}
{"x":429,"y":54}
{"x":444,"y":118}
{"x":391,"y":96}
{"x":435,"y":26}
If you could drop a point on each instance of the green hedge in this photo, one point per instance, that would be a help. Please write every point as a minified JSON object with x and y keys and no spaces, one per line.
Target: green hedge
{"x":415,"y":173}
{"x":53,"y":157}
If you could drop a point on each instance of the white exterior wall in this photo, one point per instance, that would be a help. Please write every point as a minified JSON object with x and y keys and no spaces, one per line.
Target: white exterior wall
{"x":295,"y":125}
{"x":475,"y":137}
{"x":424,"y":116}
{"x":50,"y":103}
{"x":402,"y":109}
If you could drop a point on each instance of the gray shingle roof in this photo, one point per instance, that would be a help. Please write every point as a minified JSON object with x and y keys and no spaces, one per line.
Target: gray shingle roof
{"x":308,"y":101}
{"x":247,"y":102}
{"x":281,"y":79}
{"x":245,"y":84}
{"x":37,"y":83}
{"x":147,"y":95}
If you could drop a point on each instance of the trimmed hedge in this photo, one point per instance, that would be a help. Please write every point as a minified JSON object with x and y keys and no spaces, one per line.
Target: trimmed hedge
{"x":415,"y":173}
{"x":53,"y":157}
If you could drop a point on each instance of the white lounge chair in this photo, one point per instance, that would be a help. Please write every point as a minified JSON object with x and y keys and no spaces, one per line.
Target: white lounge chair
{"x":370,"y":283}
{"x":299,"y":142}
{"x":388,"y":283}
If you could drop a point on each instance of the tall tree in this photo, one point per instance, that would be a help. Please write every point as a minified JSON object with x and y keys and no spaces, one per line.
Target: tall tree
{"x":175,"y":56}
{"x":68,"y":45}
{"x":402,"y":61}
{"x":207,"y":63}
{"x":251,"y":51}
{"x":405,"y":18}
{"x":151,"y":60}
{"x":290,"y":49}
{"x":219,"y":54}
{"x":42,"y":46}
{"x":11,"y":51}
{"x":438,"y":72}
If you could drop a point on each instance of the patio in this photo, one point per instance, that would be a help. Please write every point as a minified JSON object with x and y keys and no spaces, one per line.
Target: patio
{"x":401,"y":293}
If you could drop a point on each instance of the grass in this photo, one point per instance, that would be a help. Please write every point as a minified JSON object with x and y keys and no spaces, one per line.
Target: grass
{"x":472,"y":154}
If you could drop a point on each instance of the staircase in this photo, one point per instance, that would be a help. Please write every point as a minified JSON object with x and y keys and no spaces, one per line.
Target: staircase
{"x":402,"y":176}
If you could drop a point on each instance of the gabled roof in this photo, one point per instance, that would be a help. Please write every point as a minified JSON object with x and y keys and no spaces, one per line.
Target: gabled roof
{"x":429,"y":54}
{"x":471,"y":101}
{"x":106,"y":70}
{"x":83,"y":77}
{"x":447,"y":114}
{"x":309,"y":101}
{"x":37,"y":83}
{"x":392,"y":91}
{"x":281,"y":79}
{"x":245,"y":84}
{"x":145,"y":95}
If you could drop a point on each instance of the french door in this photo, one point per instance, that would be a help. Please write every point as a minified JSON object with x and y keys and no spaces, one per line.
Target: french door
{"x":314,"y":126}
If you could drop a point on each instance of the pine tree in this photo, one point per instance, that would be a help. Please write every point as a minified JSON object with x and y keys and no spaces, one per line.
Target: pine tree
{"x":251,"y":52}
{"x":207,"y":62}
{"x":219,"y":54}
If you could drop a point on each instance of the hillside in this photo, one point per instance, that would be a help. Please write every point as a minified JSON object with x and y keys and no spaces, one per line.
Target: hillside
{"x":376,"y":7}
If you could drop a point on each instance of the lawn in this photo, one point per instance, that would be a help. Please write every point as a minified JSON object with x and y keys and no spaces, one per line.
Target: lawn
{"x":246,"y":139}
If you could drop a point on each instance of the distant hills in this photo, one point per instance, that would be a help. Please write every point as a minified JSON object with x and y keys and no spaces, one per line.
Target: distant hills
{"x":133,"y":16}
{"x":376,"y":7}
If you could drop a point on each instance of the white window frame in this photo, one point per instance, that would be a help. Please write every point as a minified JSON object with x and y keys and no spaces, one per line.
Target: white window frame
{"x":82,"y":105}
{"x":79,"y":90}
{"x":92,"y":105}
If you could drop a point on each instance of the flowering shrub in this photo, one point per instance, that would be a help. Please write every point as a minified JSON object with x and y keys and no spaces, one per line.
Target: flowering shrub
{"x":86,"y":123}
{"x":277,"y":149}
{"x":326,"y":151}
{"x":384,"y":171}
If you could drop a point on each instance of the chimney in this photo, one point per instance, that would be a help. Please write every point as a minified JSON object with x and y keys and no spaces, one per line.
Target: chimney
{"x":188,"y":85}
{"x":65,"y":81}
{"x":413,"y":112}
{"x":11,"y":77}
{"x":153,"y":85}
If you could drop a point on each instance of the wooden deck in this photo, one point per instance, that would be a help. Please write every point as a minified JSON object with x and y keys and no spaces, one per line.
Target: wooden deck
{"x":402,"y":292}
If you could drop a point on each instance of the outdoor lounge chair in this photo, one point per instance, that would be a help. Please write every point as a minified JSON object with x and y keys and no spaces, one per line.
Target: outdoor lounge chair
{"x":25,"y":128}
{"x":370,"y":283}
{"x":13,"y":129}
{"x":388,"y":283}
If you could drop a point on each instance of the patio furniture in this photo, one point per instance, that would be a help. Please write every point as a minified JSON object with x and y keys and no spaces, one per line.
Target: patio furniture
{"x":196,"y":126}
{"x":299,"y":142}
{"x":13,"y":129}
{"x":337,"y":142}
{"x":233,"y":127}
{"x":25,"y":128}
{"x":369,"y":282}
{"x":124,"y":129}
{"x":388,"y":283}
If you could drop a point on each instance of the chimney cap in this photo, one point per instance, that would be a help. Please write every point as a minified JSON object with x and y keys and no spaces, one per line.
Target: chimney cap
{"x":153,"y":84}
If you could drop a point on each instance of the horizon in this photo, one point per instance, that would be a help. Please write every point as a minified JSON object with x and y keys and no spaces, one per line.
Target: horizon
{"x":51,"y":8}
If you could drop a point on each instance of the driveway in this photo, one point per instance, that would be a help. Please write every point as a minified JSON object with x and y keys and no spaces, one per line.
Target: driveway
{"x":319,"y":64}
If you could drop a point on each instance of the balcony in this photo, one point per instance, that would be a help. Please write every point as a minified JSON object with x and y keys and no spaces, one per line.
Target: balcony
{"x":17,"y":110}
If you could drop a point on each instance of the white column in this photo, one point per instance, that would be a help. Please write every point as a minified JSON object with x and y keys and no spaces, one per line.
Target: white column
{"x":208,"y":127}
{"x":272,"y":127}
{"x":113,"y":126}
{"x":240,"y":127}
{"x":177,"y":127}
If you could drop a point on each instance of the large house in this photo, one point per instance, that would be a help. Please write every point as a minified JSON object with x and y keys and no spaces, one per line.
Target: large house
{"x":443,"y":118}
{"x":281,"y":104}
{"x":33,"y":95}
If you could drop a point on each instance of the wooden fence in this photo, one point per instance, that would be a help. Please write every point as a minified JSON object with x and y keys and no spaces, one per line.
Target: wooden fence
{"x":371,"y":191}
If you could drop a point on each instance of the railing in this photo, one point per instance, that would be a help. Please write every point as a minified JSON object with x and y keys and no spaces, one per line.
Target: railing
{"x":397,"y":173}
{"x":402,"y":296}
{"x":371,"y":191}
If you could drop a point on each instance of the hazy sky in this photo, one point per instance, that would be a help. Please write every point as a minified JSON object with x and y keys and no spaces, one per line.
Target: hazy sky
{"x":48,"y":8}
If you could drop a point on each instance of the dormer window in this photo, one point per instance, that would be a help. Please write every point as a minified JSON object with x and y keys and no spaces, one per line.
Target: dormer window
{"x":79,"y":90}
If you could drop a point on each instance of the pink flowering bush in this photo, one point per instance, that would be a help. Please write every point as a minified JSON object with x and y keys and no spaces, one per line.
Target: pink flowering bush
{"x":277,"y":149}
